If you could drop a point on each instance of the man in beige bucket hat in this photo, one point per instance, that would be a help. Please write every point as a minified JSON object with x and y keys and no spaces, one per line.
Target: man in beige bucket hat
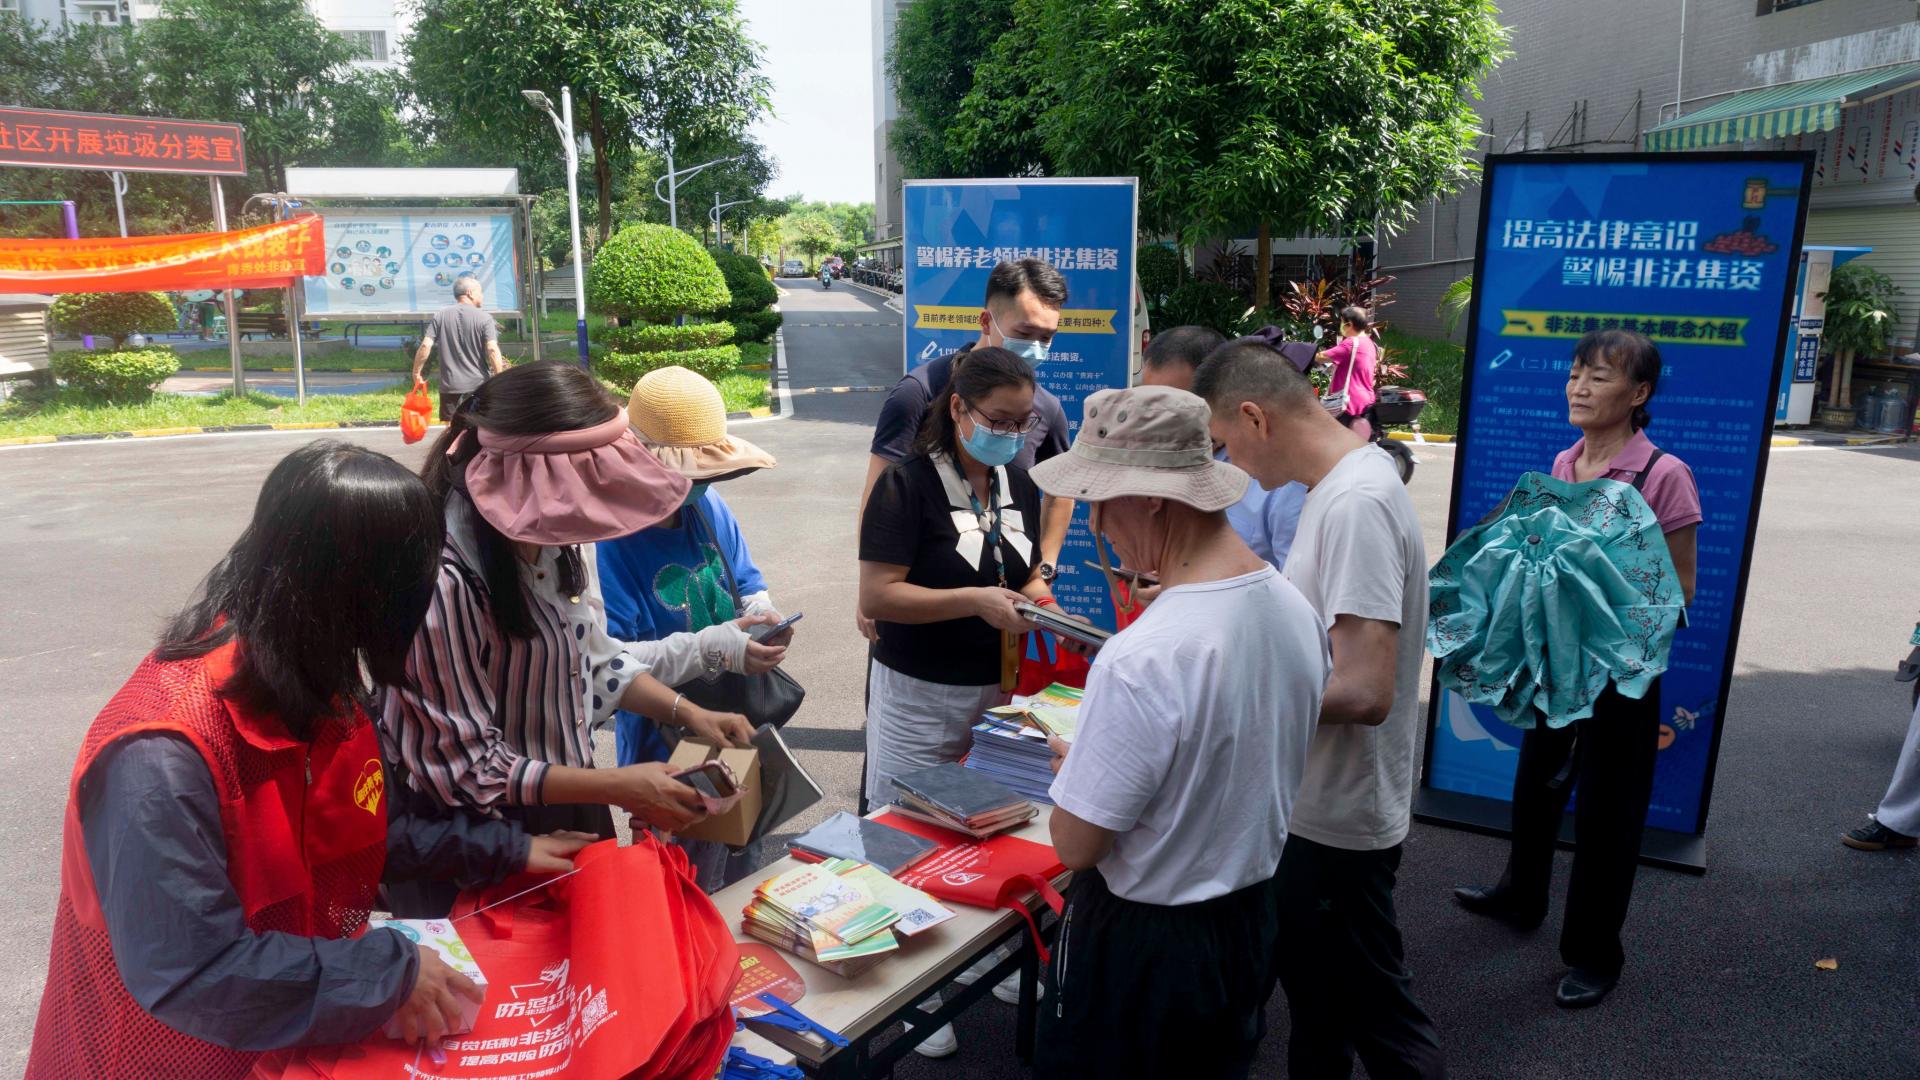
{"x":1172,"y":802}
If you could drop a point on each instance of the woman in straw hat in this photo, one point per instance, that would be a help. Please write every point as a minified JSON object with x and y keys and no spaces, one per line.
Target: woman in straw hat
{"x":514,"y":668}
{"x":685,"y":591}
{"x":1172,"y":802}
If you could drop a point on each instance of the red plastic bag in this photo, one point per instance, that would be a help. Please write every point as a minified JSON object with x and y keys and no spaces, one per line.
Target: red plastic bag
{"x":416,"y":412}
{"x":993,"y":873}
{"x":624,"y":968}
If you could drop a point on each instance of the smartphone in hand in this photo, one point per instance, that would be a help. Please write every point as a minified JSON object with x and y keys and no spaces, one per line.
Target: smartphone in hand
{"x":767,"y":630}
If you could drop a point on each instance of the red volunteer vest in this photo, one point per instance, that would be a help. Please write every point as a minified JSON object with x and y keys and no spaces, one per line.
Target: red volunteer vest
{"x":306,"y":832}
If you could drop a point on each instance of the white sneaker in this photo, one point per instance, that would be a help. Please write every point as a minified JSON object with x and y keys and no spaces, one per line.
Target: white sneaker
{"x":979,"y":969}
{"x":942,"y":1043}
{"x":1008,"y":989}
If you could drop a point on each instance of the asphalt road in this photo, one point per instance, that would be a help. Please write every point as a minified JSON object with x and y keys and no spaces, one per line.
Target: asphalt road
{"x":102,"y":540}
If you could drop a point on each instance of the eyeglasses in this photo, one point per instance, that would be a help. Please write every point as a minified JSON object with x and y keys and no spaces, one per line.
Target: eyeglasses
{"x":1006,"y":427}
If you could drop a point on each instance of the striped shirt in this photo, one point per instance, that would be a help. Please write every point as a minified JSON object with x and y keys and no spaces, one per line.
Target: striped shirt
{"x":492,"y":713}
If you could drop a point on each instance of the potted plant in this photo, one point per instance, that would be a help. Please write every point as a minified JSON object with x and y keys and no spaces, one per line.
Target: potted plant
{"x":1861,"y":312}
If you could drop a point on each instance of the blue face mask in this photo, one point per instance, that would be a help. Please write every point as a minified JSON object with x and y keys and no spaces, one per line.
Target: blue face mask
{"x":694,"y":494}
{"x":1033,"y":352}
{"x":991,"y":448}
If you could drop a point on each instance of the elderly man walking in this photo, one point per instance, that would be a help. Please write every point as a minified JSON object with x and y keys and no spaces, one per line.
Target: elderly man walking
{"x":469,"y":343}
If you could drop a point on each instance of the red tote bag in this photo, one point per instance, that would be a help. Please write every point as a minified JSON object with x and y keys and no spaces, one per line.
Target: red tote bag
{"x":623,"y":968}
{"x":993,"y":873}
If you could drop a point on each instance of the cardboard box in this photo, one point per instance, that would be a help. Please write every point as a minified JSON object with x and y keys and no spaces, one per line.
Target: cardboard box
{"x":440,"y":936}
{"x":734,"y":827}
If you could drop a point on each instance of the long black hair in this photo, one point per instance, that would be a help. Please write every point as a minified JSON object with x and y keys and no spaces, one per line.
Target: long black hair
{"x":975,"y":374}
{"x":532,"y":399}
{"x":1631,"y":354}
{"x":334,"y":572}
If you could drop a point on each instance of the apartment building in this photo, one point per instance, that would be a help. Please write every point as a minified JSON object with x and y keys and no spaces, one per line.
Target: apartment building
{"x":1838,"y":77}
{"x":379,"y":27}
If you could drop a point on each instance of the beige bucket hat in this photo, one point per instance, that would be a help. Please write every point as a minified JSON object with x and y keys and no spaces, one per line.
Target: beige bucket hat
{"x":1149,"y":441}
{"x":681,"y":417}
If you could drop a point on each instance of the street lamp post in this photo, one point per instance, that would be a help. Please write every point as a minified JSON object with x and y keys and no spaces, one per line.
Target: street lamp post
{"x":672,"y":180}
{"x":563,"y":123}
{"x":714,"y":215}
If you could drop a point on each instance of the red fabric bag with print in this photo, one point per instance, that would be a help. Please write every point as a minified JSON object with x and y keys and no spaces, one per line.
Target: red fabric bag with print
{"x":994,"y":873}
{"x":623,"y":968}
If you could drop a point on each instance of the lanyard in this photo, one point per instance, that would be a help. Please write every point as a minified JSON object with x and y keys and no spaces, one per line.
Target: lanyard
{"x":993,"y":531}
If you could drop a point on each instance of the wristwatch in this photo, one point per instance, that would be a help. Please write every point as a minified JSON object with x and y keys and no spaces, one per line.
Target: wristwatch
{"x":1048,"y":572}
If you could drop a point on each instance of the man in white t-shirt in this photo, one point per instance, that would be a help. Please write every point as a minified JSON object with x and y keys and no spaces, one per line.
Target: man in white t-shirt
{"x":1172,"y":803}
{"x":1359,"y":559}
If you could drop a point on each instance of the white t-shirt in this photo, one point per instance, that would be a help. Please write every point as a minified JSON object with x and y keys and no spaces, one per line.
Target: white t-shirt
{"x":1192,"y":736}
{"x":1358,"y":552}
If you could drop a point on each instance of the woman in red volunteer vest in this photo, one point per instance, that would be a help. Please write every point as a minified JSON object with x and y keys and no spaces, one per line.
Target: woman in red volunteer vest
{"x":228,"y":823}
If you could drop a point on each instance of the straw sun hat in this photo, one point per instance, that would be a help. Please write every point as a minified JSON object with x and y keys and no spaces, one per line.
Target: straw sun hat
{"x":1149,"y":441}
{"x":681,"y":417}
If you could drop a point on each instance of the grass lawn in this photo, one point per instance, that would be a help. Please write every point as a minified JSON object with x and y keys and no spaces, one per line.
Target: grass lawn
{"x":561,"y":322}
{"x":65,"y":412}
{"x":1434,"y":367}
{"x":37,"y":411}
{"x":344,"y":360}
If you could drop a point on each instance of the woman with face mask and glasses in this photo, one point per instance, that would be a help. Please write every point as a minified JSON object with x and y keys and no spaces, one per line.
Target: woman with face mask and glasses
{"x":946,"y":551}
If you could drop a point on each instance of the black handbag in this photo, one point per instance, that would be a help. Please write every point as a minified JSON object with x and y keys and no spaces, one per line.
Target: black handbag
{"x":771,"y":697}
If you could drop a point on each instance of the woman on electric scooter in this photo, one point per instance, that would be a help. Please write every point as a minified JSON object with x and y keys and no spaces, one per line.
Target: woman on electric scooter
{"x":1354,"y":360}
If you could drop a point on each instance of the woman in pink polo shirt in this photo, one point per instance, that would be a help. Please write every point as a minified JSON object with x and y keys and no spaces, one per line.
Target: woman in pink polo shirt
{"x":1613,"y":376}
{"x":1353,"y":360}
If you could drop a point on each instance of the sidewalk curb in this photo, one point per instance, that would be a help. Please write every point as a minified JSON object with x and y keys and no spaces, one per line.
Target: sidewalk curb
{"x":1422,"y":437}
{"x":888,"y":297}
{"x":212,"y":429}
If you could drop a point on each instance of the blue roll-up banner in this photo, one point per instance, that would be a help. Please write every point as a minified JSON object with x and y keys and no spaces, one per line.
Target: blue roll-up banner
{"x":1699,"y":251}
{"x":953,"y":234}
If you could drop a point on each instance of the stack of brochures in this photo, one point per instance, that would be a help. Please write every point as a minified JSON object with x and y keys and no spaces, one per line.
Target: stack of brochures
{"x":831,"y":919}
{"x":961,"y":799}
{"x":1010,"y":742}
{"x":918,"y":911}
{"x":846,"y":836}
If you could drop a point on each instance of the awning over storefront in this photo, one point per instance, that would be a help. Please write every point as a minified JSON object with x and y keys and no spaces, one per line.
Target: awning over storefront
{"x":1788,"y":109}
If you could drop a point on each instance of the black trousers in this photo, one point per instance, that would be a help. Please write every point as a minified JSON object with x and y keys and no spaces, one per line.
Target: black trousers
{"x":1611,"y":756}
{"x":1344,"y":969}
{"x":1150,"y":990}
{"x":450,"y":403}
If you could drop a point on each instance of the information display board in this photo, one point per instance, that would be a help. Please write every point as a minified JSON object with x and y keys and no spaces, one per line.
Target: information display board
{"x":405,"y":262}
{"x":53,"y":139}
{"x":1700,"y":252}
{"x":956,"y":231}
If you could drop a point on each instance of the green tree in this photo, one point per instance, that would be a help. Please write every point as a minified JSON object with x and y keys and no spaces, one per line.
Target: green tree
{"x":971,"y":88}
{"x":1328,"y":117}
{"x":641,"y":71}
{"x":268,"y":64}
{"x":654,"y":273}
{"x":812,"y":234}
{"x":996,"y":128}
{"x":88,"y":69}
{"x":116,"y":316}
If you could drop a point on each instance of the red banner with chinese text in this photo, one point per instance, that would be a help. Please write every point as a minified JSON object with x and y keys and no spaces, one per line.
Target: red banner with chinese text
{"x":269,"y":256}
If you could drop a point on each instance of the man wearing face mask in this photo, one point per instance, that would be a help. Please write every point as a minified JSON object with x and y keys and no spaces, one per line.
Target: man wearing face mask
{"x":1171,"y":805}
{"x":1020,"y":314}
